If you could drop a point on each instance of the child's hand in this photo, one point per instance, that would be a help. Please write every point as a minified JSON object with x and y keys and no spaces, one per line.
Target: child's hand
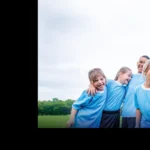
{"x":69,"y":123}
{"x":91,"y":90}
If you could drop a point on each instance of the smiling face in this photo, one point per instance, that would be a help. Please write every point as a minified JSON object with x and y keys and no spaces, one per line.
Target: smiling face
{"x":124,"y":78}
{"x":99,"y":83}
{"x":97,"y":78}
{"x":140,"y":64}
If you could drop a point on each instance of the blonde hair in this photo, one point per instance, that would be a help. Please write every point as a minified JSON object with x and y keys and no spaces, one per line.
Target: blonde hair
{"x":122,"y":70}
{"x":146,"y":67}
{"x":94,"y":73}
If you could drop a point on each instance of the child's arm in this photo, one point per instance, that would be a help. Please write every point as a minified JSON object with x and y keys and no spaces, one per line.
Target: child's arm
{"x":72,"y":117}
{"x":81,"y":102}
{"x":138,"y":112}
{"x":91,"y":90}
{"x":138,"y":118}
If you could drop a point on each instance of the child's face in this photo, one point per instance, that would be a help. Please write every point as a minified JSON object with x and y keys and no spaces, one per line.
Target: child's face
{"x":125,"y":77}
{"x":99,"y":83}
{"x":140,"y":64}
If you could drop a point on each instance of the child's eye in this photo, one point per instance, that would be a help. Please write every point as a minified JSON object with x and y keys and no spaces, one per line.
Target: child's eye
{"x":95,"y":80}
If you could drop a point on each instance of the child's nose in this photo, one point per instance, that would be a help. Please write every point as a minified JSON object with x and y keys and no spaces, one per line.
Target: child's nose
{"x":100,"y":81}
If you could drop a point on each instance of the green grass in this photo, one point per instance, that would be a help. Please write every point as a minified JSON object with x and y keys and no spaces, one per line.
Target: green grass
{"x":56,"y":121}
{"x":49,"y":121}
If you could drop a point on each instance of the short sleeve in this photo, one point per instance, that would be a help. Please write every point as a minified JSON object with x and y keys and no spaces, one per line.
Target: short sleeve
{"x":82,"y":100}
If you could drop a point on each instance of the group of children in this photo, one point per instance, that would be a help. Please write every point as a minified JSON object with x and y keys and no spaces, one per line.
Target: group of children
{"x":99,"y":106}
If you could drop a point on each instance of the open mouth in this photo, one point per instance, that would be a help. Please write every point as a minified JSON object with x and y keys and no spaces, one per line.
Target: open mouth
{"x":140,"y":67}
{"x":126,"y":81}
{"x":100,"y":86}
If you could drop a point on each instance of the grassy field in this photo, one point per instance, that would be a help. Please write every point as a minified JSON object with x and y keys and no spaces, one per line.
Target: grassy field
{"x":52,"y":121}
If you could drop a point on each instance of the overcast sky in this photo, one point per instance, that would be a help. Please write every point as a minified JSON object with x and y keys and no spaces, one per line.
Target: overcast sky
{"x":75,"y":36}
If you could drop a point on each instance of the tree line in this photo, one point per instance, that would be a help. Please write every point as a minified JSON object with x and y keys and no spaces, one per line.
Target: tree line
{"x":55,"y":107}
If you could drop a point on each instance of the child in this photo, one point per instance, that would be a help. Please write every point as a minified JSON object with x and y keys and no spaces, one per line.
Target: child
{"x":142,"y":99}
{"x":115,"y":94}
{"x":87,"y":110}
{"x":129,"y":110}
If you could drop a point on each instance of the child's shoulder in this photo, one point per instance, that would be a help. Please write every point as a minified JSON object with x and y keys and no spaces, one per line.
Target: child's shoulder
{"x":140,"y":86}
{"x":109,"y":81}
{"x":85,"y":93}
{"x":136,"y":75}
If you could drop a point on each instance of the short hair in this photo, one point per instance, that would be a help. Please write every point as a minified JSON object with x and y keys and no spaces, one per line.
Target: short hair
{"x":145,"y":56}
{"x":94,"y":73}
{"x":145,"y":67}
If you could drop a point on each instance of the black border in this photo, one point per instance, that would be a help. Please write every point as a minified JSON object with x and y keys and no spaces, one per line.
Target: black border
{"x":33,"y":66}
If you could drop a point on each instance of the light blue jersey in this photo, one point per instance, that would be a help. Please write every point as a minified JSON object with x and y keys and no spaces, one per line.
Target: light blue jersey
{"x":142,"y":102}
{"x":129,"y":109}
{"x":115,"y":95}
{"x":89,"y":109}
